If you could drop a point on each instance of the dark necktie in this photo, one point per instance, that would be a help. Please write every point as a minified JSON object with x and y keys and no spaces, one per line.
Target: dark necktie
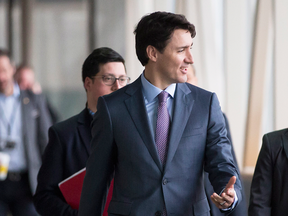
{"x":162,"y":127}
{"x":162,"y":131}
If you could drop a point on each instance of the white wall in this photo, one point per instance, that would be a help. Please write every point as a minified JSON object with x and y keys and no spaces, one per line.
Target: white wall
{"x":222,"y":51}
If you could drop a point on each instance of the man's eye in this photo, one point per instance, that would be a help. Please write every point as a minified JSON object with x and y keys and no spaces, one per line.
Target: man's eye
{"x":108,"y":78}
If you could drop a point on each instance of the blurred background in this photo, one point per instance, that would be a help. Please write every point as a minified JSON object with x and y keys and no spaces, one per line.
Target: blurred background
{"x":240,"y":52}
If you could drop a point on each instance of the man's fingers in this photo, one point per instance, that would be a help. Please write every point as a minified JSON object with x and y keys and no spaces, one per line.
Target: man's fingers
{"x":227,"y":197}
{"x":219,"y":201}
{"x":216,"y":197}
{"x":230,"y":192}
{"x":231,"y":183}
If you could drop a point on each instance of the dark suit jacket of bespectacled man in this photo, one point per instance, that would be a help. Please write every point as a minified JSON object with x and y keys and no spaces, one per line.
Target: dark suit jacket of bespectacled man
{"x":124,"y":147}
{"x":69,"y":141}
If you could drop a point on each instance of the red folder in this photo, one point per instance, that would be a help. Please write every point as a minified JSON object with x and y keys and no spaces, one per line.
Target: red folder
{"x":72,"y":186}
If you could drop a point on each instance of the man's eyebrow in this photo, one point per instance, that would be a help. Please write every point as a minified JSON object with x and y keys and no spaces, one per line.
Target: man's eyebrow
{"x":110,"y":74}
{"x":183,"y":47}
{"x":186,"y":46}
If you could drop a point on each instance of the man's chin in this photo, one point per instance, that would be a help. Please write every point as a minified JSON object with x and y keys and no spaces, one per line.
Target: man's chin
{"x":182,"y":80}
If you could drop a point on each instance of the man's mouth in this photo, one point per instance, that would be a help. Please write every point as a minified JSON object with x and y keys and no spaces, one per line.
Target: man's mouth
{"x":184,"y":69}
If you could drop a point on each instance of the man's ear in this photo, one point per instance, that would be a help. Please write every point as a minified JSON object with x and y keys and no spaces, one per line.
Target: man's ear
{"x":151,"y":53}
{"x":87,"y":83}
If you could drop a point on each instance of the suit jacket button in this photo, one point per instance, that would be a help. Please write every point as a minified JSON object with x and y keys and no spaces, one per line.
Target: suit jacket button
{"x":158,"y":213}
{"x":165,"y":181}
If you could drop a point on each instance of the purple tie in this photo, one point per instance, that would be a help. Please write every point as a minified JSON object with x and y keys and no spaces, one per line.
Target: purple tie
{"x":162,"y":127}
{"x":162,"y":131}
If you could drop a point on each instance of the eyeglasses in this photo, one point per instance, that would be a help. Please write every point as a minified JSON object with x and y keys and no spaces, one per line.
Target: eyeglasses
{"x":110,"y":80}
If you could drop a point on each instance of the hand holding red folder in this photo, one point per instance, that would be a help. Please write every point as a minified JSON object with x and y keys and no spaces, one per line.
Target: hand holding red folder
{"x":71,"y":189}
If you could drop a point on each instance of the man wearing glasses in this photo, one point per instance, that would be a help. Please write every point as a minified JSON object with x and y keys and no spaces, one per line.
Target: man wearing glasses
{"x":68,"y":149}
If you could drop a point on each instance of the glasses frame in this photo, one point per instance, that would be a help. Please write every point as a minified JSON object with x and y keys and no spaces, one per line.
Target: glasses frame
{"x":103,"y":77}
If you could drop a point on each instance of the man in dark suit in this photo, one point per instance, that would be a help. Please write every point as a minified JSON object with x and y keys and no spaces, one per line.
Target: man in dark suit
{"x":25,"y":77}
{"x":24,"y":122}
{"x":269,"y":186}
{"x":241,"y":209}
{"x":151,"y":177}
{"x":68,"y":149}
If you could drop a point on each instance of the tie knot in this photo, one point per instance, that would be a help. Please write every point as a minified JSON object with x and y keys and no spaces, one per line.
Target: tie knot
{"x":162,"y":97}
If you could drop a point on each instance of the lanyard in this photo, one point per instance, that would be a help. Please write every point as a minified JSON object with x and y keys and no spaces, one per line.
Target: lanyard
{"x":9,"y":122}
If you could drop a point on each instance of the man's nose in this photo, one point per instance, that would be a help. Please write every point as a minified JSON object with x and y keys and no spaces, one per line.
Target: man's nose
{"x":116,"y":85}
{"x":189,"y":58}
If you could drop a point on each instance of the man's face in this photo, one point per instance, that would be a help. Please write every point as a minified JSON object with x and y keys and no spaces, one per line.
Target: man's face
{"x":6,"y":74}
{"x":98,"y":88}
{"x":25,"y":78}
{"x":172,"y":64}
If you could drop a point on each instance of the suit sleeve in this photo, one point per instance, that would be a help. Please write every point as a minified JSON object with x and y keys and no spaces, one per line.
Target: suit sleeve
{"x":241,"y":209}
{"x":219,"y":161}
{"x":230,"y":138}
{"x":100,"y":165}
{"x":261,"y":187}
{"x":48,"y":199}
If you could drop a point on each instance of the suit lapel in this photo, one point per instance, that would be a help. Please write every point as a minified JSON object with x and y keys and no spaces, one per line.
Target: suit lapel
{"x":183,"y":104}
{"x":136,"y":107}
{"x":285,"y":143}
{"x":27,"y":111}
{"x":84,"y":122}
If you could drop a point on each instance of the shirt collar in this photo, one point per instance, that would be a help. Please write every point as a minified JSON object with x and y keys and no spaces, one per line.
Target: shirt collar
{"x":91,"y":112}
{"x":150,"y":91}
{"x":16,"y":92}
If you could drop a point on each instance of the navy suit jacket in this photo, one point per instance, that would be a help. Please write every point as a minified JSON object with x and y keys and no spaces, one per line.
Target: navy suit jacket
{"x":269,"y":188}
{"x":66,"y":153}
{"x":124,"y":146}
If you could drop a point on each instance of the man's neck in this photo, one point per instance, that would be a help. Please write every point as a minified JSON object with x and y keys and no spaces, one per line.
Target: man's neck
{"x":8,"y":91}
{"x":92,"y":107}
{"x":151,"y":76}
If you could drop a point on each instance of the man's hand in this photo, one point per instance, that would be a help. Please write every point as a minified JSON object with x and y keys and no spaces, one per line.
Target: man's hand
{"x":227,"y":197}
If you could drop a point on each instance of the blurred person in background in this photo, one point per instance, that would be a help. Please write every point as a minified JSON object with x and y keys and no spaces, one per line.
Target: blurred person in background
{"x":269,"y":188}
{"x":25,"y":77}
{"x":24,"y":123}
{"x":68,"y":149}
{"x":241,"y":209}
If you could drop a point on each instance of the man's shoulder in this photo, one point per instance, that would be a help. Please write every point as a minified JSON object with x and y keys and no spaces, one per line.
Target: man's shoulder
{"x":196,"y":93}
{"x":277,"y":134}
{"x":29,"y":93}
{"x":194,"y":88}
{"x":68,"y":124}
{"x":34,"y":98}
{"x":276,"y":140}
{"x":123,"y":93}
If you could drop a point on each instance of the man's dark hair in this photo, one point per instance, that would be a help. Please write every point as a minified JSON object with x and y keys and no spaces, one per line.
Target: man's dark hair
{"x":99,"y":56}
{"x":6,"y":53}
{"x":156,"y":29}
{"x":23,"y":66}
